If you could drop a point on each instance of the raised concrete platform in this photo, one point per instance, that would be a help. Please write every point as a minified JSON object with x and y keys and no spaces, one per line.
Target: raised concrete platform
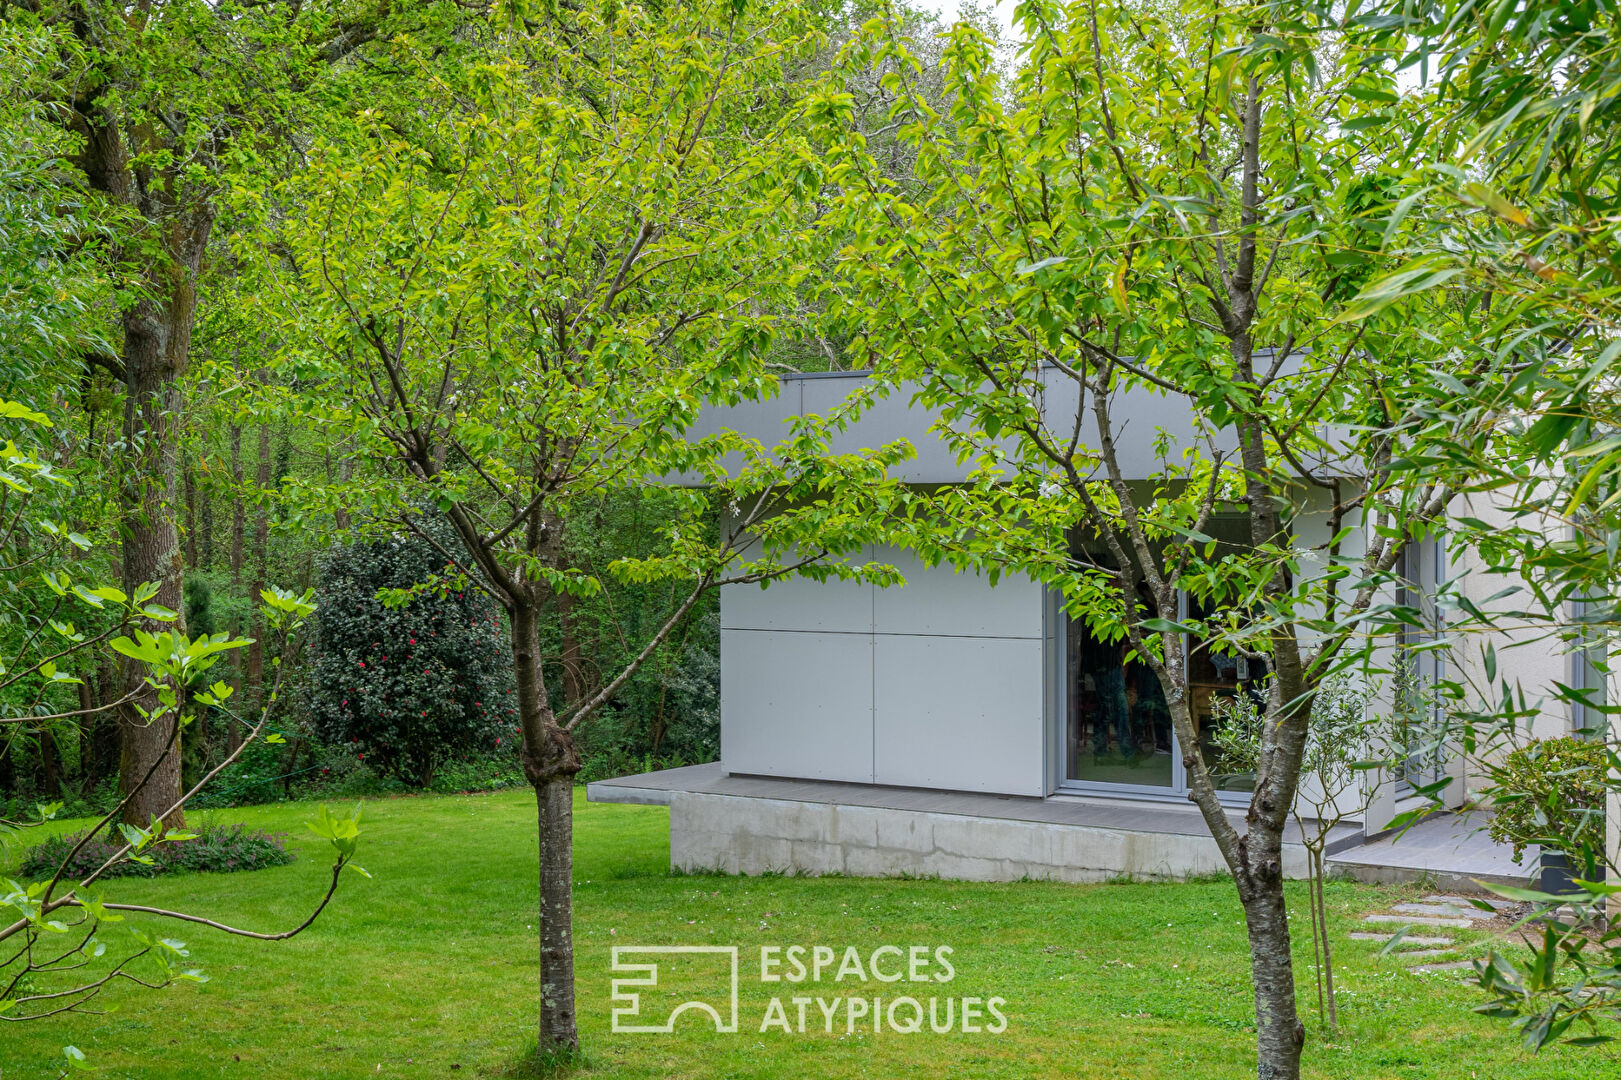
{"x":755,"y":824}
{"x":761,"y":824}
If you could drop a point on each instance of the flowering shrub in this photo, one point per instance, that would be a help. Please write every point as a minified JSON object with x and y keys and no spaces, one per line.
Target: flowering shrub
{"x":216,"y":848}
{"x":410,"y":667}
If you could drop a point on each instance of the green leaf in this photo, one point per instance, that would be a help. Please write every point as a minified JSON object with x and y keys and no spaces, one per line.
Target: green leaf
{"x":1490,"y":197}
{"x":1026,"y":269}
{"x":12,"y":410}
{"x":1383,"y":292}
{"x":1166,"y":626}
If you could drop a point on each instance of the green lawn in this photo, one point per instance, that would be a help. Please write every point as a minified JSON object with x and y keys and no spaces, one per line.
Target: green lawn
{"x":428,"y":970}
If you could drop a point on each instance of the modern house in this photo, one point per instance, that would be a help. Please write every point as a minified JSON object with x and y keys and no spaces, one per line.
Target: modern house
{"x":951,"y":727}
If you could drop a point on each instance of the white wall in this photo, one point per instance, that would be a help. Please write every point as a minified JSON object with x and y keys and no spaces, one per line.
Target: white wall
{"x":1528,"y":657}
{"x":936,"y":683}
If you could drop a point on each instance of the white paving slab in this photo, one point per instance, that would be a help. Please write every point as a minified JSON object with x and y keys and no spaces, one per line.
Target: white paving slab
{"x":1460,"y":965}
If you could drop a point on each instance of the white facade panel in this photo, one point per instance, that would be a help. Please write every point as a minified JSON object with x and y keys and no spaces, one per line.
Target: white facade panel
{"x":799,"y":603}
{"x":940,"y":600}
{"x":1142,"y":411}
{"x":963,"y":714}
{"x":884,"y":420}
{"x":796,"y":704}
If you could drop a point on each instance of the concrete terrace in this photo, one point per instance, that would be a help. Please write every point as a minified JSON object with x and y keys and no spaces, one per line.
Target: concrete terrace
{"x":758,"y":824}
{"x":1453,"y":850}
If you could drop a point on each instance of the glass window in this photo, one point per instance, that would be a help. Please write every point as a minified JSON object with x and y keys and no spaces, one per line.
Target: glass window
{"x":1225,"y":688}
{"x":1588,"y":679}
{"x":1119,"y":728}
{"x":1421,"y":724}
{"x":1117,"y":723}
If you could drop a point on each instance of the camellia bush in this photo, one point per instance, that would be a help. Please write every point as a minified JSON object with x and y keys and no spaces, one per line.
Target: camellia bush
{"x":409,"y":662}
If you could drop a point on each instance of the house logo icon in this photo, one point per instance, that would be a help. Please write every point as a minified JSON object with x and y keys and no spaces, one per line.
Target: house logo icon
{"x":627,"y":1016}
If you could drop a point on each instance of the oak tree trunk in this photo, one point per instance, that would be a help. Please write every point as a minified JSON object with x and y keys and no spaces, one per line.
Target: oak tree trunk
{"x":156,"y":340}
{"x":168,"y":236}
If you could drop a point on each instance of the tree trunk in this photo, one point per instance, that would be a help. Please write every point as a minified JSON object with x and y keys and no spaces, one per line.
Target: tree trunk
{"x":1279,"y":1035}
{"x":550,"y":761}
{"x":100,"y":745}
{"x":555,"y":799}
{"x":289,"y":765}
{"x":237,"y":511}
{"x":50,"y":760}
{"x":156,"y":340}
{"x":346,"y":468}
{"x":1321,"y":911}
{"x":206,"y":515}
{"x":1256,"y":856}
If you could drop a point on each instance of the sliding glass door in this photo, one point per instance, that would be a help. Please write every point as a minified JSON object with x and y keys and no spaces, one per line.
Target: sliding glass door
{"x":1118,"y":728}
{"x":1116,"y":724}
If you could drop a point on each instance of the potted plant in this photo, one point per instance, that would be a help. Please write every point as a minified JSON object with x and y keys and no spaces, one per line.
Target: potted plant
{"x":1551,"y":793}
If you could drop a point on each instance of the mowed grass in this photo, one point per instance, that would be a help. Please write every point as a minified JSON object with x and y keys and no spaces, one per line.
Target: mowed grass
{"x":429,"y":970}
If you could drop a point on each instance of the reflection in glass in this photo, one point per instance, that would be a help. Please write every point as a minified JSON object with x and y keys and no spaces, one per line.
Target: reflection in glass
{"x":1216,"y":684}
{"x":1119,"y":728}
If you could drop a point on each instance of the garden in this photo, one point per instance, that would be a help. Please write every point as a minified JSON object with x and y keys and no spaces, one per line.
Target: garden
{"x":427,"y":969}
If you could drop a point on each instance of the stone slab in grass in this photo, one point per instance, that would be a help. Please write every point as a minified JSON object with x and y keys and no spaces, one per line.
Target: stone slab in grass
{"x":1441,"y":909}
{"x":1410,"y":939}
{"x":1421,"y":920}
{"x":1468,"y":901}
{"x":1460,"y":965}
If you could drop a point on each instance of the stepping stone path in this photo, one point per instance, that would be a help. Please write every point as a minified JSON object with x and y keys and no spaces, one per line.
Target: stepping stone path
{"x":1453,"y":912}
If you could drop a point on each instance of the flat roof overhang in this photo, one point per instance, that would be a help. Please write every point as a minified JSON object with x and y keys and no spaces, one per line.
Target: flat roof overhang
{"x":1139,"y":416}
